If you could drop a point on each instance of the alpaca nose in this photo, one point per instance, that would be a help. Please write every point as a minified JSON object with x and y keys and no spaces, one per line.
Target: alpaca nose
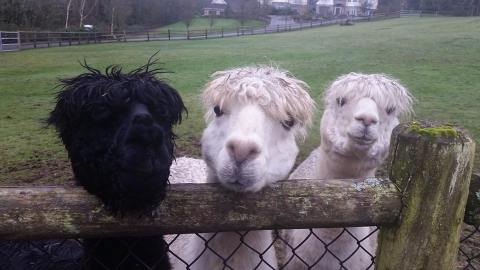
{"x":367,"y":119}
{"x":143,"y":118}
{"x":241,"y":151}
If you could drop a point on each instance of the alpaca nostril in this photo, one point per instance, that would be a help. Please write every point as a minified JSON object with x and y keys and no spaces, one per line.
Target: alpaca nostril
{"x":367,"y":120}
{"x":241,"y":151}
{"x":145,"y":119}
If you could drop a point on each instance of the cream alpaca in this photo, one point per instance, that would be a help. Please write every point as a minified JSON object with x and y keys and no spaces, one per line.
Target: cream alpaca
{"x":360,"y":114}
{"x":254,"y":115}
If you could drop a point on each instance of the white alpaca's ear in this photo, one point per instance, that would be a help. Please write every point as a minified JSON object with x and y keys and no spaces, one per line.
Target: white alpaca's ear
{"x":405,"y":100}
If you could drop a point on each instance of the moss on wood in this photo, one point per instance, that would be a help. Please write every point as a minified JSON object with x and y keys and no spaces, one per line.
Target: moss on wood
{"x":435,"y":131}
{"x":433,"y":176}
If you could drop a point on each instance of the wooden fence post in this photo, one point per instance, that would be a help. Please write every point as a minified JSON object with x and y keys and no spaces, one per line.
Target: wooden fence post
{"x":188,"y":34}
{"x":124,"y":36}
{"x":206,"y":33}
{"x":431,"y":165}
{"x":69,"y":39}
{"x":222,"y":32}
{"x":48,"y":39}
{"x":168,"y":34}
{"x":35,"y":39}
{"x":148,"y":36}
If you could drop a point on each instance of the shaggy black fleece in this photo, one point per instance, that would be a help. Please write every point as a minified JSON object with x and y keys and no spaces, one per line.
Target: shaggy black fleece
{"x":117,"y":130}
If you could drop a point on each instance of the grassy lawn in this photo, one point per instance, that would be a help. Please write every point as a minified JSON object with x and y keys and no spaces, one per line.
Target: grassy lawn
{"x":437,"y":58}
{"x":202,"y":23}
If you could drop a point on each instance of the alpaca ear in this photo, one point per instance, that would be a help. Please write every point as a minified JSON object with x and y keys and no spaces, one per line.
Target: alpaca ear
{"x":405,"y":101}
{"x":61,"y":116}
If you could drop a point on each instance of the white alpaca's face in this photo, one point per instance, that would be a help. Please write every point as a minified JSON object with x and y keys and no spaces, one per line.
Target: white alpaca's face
{"x":245,"y":149}
{"x":360,"y":127}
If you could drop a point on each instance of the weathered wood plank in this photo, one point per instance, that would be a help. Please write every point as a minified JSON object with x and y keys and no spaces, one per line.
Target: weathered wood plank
{"x":431,"y":164}
{"x":59,"y":212}
{"x":472,"y":211}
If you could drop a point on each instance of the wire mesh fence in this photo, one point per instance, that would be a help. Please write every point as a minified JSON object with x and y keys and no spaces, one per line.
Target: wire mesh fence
{"x":73,"y":254}
{"x":469,"y":251}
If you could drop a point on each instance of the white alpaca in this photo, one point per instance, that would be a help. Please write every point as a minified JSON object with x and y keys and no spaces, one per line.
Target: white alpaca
{"x":254,"y":115}
{"x":360,"y":114}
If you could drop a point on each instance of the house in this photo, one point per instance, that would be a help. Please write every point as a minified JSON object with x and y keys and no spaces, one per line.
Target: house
{"x":215,"y":8}
{"x":324,"y":8}
{"x":300,"y":6}
{"x":328,"y":8}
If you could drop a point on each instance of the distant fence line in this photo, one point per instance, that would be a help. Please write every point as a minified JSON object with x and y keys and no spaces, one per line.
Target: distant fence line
{"x":42,"y":39}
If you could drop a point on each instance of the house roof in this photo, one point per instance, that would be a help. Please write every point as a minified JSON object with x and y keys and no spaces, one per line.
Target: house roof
{"x":219,"y":2}
{"x":216,"y":6}
{"x":292,"y":2}
{"x":325,"y":3}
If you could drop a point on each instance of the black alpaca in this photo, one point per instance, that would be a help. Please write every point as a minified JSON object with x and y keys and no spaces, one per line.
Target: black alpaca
{"x":117,"y":130}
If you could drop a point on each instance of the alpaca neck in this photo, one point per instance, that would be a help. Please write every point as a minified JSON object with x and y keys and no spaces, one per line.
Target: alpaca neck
{"x":237,"y":247}
{"x":211,"y":176}
{"x":338,"y":166}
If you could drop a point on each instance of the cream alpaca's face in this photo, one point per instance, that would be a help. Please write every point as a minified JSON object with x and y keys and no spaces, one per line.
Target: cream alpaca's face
{"x":360,"y":114}
{"x":245,"y":149}
{"x":359,"y":128}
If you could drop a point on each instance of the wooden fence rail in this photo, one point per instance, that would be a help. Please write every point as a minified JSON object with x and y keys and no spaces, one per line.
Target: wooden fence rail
{"x":56,"y":212}
{"x":420,"y":211}
{"x":42,"y":39}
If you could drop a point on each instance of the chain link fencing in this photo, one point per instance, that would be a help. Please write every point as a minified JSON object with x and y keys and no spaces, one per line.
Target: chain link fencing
{"x":70,"y":253}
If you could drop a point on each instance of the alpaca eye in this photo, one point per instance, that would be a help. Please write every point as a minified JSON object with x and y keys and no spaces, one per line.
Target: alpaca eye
{"x":288,"y":124}
{"x":217,"y":111}
{"x":160,"y":112}
{"x":390,"y":110}
{"x":341,"y":101}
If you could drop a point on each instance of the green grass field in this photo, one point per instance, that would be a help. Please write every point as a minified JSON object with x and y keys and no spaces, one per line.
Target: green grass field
{"x":437,"y":58}
{"x":203,"y":23}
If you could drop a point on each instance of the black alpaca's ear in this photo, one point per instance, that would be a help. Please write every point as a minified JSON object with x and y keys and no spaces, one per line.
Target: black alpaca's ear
{"x":61,"y":115}
{"x":177,"y":106}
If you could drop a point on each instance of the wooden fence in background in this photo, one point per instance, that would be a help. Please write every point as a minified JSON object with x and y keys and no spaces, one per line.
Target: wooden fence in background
{"x":43,"y":39}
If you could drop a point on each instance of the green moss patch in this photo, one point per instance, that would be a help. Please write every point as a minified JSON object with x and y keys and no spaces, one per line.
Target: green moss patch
{"x":439,"y":131}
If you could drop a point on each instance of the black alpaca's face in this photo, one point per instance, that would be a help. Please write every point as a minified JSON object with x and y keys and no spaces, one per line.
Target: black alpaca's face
{"x":118,"y":134}
{"x":123,"y":154}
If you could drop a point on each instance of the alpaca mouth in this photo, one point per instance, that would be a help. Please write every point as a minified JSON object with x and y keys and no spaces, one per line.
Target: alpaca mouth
{"x":362,"y":140}
{"x":238,"y":182}
{"x":147,"y":166}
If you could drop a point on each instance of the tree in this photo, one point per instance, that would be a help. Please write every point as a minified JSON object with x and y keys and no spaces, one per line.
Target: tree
{"x":69,"y":5}
{"x":248,"y":10}
{"x":187,"y":11}
{"x":211,"y":20}
{"x":84,"y":11}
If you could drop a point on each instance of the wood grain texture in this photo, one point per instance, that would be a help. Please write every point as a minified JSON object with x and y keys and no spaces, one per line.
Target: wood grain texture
{"x":59,"y":212}
{"x":432,"y":170}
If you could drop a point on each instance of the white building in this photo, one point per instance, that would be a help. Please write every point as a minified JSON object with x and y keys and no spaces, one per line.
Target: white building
{"x":215,"y":8}
{"x":327,"y":8}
